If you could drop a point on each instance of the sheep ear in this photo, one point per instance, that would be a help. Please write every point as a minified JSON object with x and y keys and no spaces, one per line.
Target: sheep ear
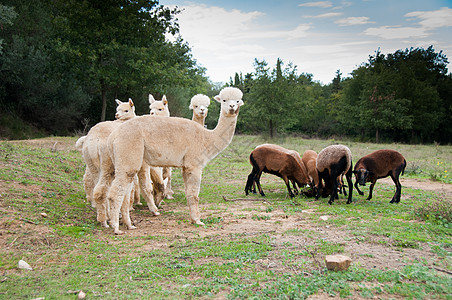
{"x":131,"y":102}
{"x":151,"y":99}
{"x":118,"y":102}
{"x":217,"y":98}
{"x":165,"y":102}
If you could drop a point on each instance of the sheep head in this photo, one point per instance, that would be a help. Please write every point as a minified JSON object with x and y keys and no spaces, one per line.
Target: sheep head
{"x":230,"y":99}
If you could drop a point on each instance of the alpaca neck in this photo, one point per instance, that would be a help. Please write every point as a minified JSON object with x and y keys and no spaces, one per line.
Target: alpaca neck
{"x":198,"y":119}
{"x":223,"y":132}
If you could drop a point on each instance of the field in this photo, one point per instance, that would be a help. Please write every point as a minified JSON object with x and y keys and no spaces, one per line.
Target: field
{"x":250,"y":247}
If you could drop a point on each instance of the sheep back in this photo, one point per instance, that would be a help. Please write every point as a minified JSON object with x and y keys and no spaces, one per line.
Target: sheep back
{"x":331,"y":155}
{"x":381,"y":162}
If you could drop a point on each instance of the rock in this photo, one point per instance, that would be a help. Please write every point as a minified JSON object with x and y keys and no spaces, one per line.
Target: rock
{"x":324,"y":218}
{"x":81,"y":295}
{"x":337,"y":262}
{"x":24,"y":265}
{"x":44,"y":215}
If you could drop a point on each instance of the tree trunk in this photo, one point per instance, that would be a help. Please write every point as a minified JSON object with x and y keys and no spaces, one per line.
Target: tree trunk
{"x":104,"y":101}
{"x":377,"y":137}
{"x":271,"y":128}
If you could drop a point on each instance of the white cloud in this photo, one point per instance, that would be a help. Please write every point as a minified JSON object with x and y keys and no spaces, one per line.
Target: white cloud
{"x":353,"y":21}
{"x":322,"y":4}
{"x":433,"y":19}
{"x":397,"y":32}
{"x":327,"y":15}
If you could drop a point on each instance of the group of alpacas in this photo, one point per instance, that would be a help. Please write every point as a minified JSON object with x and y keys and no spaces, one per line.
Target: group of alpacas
{"x":323,"y":172}
{"x":141,"y":150}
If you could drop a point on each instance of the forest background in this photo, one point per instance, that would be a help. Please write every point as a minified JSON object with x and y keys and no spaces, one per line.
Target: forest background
{"x":63,"y":62}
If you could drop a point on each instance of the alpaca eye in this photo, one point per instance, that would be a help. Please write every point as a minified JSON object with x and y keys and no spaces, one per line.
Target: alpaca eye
{"x":224,"y":101}
{"x":126,"y":111}
{"x":237,"y":101}
{"x":160,"y":109}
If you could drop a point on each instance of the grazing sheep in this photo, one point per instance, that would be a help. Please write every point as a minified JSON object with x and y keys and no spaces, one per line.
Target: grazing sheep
{"x":199,"y":104}
{"x":309,"y":159}
{"x":380,"y":164}
{"x":170,"y":142}
{"x":278,"y":161}
{"x":332,"y":162}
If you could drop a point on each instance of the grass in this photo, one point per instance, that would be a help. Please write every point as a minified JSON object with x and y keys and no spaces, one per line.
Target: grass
{"x":272,"y":249}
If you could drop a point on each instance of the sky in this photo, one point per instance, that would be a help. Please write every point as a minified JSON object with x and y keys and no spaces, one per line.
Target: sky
{"x":319,"y":37}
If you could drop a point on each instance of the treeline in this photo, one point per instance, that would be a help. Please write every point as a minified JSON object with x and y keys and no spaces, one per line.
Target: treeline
{"x":405,"y":96}
{"x":63,"y":62}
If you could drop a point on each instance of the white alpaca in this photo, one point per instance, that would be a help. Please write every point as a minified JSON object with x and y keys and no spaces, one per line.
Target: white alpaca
{"x":160,"y":108}
{"x":199,"y":104}
{"x":94,"y":143}
{"x":171,"y":142}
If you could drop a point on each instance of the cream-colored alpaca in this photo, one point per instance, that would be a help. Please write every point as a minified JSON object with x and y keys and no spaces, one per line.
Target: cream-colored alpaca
{"x":199,"y":104}
{"x":171,"y":142}
{"x":94,"y":143}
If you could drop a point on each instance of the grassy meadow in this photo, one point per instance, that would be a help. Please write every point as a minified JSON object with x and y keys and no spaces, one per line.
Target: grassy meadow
{"x":250,"y":247}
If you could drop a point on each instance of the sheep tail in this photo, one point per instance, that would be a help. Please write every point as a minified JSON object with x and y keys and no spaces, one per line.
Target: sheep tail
{"x":404,"y":166}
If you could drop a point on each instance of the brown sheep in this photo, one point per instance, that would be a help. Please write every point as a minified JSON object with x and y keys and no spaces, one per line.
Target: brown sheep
{"x":380,"y":164}
{"x":309,"y":159}
{"x":331,"y":162}
{"x":278,"y":161}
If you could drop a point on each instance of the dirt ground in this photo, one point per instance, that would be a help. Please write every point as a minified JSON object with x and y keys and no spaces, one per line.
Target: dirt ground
{"x":238,"y":222}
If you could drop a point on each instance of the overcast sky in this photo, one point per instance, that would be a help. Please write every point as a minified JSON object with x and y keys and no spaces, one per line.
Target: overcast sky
{"x":319,"y":37}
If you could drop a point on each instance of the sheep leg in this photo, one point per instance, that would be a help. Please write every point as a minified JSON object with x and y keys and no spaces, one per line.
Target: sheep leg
{"x":116,"y":196}
{"x":192,"y":181}
{"x":257,"y":179}
{"x":371,"y":188}
{"x":250,"y":183}
{"x":334,"y":193}
{"x":357,"y":188}
{"x":348,"y":176}
{"x":144,"y":179}
{"x":286,"y":181}
{"x":396,"y":197}
{"x":295,"y":187}
{"x":156,"y":174}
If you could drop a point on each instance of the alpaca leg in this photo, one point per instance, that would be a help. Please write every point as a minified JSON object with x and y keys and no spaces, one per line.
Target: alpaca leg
{"x":118,"y":190}
{"x":167,"y":174}
{"x":144,"y":177}
{"x":136,"y":192}
{"x":158,"y":185}
{"x":89,"y":183}
{"x":99,"y":195}
{"x":192,"y":180}
{"x":126,"y":204}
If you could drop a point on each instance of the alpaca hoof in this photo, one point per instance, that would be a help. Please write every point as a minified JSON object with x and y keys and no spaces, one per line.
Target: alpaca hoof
{"x":156,"y":213}
{"x":104,"y":224}
{"x":198,"y":222}
{"x":119,"y":232}
{"x":131,"y":227}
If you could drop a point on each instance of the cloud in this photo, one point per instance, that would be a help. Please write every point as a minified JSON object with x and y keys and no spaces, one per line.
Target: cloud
{"x":397,"y":32}
{"x":353,"y":21}
{"x":433,"y":19}
{"x":327,"y":15}
{"x":322,"y":4}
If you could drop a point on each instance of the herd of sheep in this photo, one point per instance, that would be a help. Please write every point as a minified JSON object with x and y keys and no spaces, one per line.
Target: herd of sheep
{"x":133,"y":156}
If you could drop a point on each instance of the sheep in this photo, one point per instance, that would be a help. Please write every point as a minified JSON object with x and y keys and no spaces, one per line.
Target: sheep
{"x":332,"y":162}
{"x":278,"y":161}
{"x":199,"y":104}
{"x":170,"y":142}
{"x":309,"y":159}
{"x":380,"y":164}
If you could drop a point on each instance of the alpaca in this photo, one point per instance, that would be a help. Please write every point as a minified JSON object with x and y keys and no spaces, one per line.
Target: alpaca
{"x":170,"y":142}
{"x":94,"y":143}
{"x":199,"y":104}
{"x":158,"y":108}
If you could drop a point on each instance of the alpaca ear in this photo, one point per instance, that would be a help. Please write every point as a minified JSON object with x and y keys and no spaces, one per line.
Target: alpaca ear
{"x":240,"y":103}
{"x":118,"y":102}
{"x":217,"y":98}
{"x":151,"y":99}
{"x":165,"y":102}
{"x":131,"y":102}
{"x":190,"y":106}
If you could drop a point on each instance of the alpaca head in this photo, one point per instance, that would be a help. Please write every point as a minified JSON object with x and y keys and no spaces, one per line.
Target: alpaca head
{"x":230,"y":99}
{"x":158,"y":108}
{"x":199,"y":104}
{"x":125,"y":110}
